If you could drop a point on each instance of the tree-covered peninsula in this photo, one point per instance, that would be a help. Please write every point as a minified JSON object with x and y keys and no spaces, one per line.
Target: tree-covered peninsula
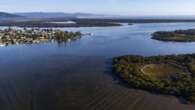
{"x":176,"y":36}
{"x":170,"y":75}
{"x":35,"y":35}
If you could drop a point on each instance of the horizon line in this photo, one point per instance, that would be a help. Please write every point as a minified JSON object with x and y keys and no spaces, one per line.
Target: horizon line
{"x":103,"y":14}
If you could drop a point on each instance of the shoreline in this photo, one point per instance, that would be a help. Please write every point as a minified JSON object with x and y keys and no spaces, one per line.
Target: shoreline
{"x":159,"y":74}
{"x":175,"y":36}
{"x":32,"y":36}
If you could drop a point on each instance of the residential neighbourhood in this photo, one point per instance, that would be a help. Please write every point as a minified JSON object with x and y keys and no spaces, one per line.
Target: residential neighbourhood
{"x":35,"y":35}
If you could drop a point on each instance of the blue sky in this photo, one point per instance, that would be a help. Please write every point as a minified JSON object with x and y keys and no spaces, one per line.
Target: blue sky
{"x":113,"y":7}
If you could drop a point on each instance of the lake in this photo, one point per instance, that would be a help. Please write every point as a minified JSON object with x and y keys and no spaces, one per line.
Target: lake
{"x":77,"y":75}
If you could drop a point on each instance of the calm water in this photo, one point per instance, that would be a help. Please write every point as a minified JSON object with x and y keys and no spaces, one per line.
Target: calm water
{"x":77,"y":75}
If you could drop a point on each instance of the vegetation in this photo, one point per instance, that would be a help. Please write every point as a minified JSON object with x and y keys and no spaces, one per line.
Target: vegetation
{"x":47,"y":23}
{"x":171,"y":75}
{"x":82,"y":22}
{"x":18,"y":36}
{"x":178,"y":36}
{"x":127,"y":20}
{"x":161,"y":70}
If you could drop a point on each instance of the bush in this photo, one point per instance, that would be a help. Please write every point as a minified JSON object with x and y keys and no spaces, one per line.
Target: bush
{"x":179,"y":84}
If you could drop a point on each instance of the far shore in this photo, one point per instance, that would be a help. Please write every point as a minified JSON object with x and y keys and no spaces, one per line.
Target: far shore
{"x":84,"y":22}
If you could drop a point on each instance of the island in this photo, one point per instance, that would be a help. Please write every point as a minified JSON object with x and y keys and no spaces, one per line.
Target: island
{"x":168,"y":75}
{"x":35,"y":35}
{"x":176,"y":36}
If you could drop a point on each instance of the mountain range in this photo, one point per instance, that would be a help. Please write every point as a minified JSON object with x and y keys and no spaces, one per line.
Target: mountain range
{"x":43,"y":15}
{"x":4,"y":15}
{"x":48,"y":15}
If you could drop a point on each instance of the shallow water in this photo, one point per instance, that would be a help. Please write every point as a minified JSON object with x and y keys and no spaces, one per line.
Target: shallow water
{"x":77,"y":75}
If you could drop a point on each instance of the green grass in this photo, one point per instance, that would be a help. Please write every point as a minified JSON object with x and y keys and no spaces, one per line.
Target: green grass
{"x":161,"y":70}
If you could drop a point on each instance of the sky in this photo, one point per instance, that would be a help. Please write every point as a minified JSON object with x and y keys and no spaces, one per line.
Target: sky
{"x":111,"y":7}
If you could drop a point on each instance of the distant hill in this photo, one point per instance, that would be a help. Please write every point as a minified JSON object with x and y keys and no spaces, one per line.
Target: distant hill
{"x":52,"y":15}
{"x":4,"y":15}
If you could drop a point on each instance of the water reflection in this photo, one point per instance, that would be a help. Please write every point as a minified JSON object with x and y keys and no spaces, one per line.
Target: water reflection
{"x":76,"y":75}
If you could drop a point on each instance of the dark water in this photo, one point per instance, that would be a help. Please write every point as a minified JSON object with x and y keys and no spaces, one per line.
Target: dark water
{"x":77,"y":75}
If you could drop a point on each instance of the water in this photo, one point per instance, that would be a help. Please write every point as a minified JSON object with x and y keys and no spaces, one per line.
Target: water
{"x":112,"y":41}
{"x":77,"y":75}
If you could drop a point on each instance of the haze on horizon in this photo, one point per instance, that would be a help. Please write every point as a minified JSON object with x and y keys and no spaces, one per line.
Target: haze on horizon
{"x":111,"y":7}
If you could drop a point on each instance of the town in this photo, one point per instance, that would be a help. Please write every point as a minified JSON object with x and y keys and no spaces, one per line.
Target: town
{"x":10,"y":36}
